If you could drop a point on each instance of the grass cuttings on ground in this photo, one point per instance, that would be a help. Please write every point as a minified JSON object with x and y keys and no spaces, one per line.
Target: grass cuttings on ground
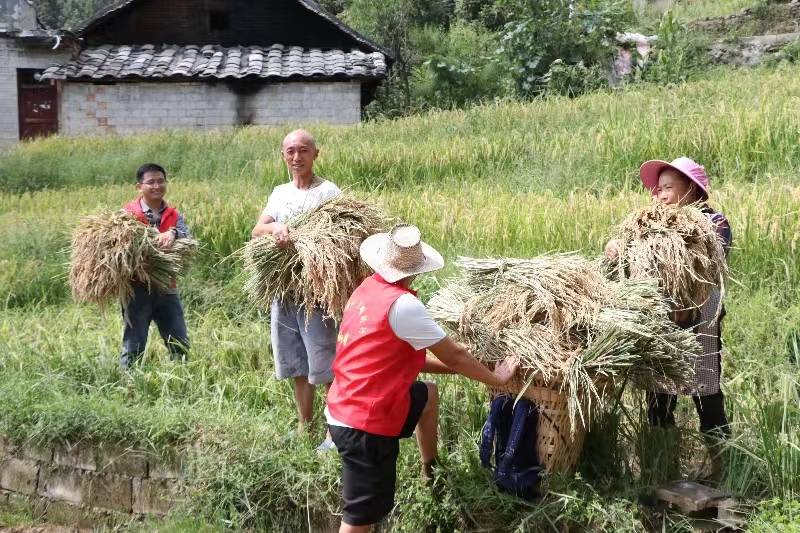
{"x":572,"y":328}
{"x":321,"y":267}
{"x":112,"y":250}
{"x":678,"y":246}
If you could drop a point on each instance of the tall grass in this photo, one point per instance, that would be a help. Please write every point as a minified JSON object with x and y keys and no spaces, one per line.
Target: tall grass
{"x":689,"y":10}
{"x":743,"y":125}
{"x":477,"y":220}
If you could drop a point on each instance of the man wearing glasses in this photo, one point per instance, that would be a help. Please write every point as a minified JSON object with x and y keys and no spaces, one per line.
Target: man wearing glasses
{"x":146,"y":305}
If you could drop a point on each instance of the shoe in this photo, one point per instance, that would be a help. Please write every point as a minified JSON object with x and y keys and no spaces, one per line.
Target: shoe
{"x":326,"y":446}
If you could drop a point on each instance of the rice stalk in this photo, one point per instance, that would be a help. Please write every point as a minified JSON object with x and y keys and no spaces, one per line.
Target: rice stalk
{"x":563,"y":290}
{"x":572,"y":328}
{"x":321,"y":266}
{"x":112,"y":250}
{"x":677,"y":245}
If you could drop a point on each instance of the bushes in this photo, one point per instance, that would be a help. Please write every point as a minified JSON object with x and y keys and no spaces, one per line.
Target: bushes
{"x":460,"y":67}
{"x":677,"y":54}
{"x":540,"y":33}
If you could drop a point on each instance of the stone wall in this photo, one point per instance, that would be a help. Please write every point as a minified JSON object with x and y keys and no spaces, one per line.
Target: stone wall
{"x":126,"y":107}
{"x":12,"y":57}
{"x":84,"y":485}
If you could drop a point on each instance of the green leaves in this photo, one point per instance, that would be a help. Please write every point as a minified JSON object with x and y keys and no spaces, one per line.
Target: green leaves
{"x":539,"y":36}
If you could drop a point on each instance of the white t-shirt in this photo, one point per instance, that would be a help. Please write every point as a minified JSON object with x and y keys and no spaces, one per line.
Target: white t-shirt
{"x":411,"y":322}
{"x":287,"y":201}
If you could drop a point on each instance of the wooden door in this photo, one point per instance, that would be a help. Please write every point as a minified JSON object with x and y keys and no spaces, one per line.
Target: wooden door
{"x":38,"y":105}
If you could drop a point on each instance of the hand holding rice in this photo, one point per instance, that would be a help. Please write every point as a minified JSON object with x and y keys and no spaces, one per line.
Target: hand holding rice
{"x":112,"y":251}
{"x":320,"y":265}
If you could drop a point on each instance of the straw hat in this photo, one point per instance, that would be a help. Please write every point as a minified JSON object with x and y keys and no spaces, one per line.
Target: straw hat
{"x":400,"y":253}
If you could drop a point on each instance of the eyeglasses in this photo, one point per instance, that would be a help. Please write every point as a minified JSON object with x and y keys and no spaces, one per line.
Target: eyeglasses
{"x":152,"y":183}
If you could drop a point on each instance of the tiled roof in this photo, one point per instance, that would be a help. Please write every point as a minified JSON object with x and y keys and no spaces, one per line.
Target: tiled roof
{"x":115,"y":8}
{"x":214,"y":61}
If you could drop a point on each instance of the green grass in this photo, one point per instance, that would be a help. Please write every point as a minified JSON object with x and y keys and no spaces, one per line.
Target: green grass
{"x":743,"y":125}
{"x":689,"y":10}
{"x":510,"y":179}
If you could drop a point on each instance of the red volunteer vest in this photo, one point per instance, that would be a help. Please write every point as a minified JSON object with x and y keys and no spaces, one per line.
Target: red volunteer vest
{"x":373,"y":369}
{"x":168,"y":218}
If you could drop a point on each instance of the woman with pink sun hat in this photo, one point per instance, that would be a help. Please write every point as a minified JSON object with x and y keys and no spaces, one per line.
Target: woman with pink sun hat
{"x":683,"y":181}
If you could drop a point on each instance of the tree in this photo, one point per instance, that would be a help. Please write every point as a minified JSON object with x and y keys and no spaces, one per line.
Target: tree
{"x":67,"y":13}
{"x":390,"y":22}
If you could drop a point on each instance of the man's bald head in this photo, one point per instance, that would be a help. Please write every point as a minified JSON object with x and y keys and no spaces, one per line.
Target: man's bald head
{"x":299,"y":136}
{"x":299,"y":150}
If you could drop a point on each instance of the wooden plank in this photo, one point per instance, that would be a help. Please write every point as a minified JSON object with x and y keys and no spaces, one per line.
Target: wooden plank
{"x":690,"y":496}
{"x":225,"y":22}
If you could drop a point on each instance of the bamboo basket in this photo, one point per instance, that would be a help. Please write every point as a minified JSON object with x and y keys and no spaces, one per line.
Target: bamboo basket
{"x":558,"y":448}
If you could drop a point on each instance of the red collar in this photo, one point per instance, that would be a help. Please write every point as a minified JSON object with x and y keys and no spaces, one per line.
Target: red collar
{"x":380,"y":279}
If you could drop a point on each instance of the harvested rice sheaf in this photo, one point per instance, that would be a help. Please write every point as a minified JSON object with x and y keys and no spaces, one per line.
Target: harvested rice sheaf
{"x":572,"y":328}
{"x":112,"y":250}
{"x":677,"y":245}
{"x":321,"y":267}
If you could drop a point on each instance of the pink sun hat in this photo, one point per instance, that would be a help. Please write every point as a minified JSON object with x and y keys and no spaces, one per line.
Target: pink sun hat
{"x":693,"y":170}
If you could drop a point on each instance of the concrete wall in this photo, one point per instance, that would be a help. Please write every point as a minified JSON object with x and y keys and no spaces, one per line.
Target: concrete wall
{"x":12,"y":57}
{"x":88,"y":108}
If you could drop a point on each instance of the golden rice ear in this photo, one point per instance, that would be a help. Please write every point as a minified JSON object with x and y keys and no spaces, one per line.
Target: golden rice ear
{"x":577,"y":333}
{"x":323,"y":267}
{"x":111,"y":250}
{"x":678,"y":246}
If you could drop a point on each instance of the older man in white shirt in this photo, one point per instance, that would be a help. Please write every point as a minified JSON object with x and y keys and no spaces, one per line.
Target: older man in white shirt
{"x":303,"y":349}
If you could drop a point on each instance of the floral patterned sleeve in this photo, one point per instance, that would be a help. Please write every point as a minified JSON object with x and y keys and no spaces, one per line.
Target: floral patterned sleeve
{"x":723,"y":230}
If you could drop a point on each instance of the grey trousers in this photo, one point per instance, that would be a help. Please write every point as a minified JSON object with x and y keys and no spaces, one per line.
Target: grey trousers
{"x":302,"y":348}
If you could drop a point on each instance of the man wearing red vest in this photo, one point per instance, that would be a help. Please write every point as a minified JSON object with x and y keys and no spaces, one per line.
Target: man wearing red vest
{"x":164,"y":308}
{"x":375,"y":399}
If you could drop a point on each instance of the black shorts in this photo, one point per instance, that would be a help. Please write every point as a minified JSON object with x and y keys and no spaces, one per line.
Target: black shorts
{"x":369,"y":465}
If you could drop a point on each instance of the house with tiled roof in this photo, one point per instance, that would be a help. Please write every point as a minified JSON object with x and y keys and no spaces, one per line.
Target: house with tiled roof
{"x":140,"y":65}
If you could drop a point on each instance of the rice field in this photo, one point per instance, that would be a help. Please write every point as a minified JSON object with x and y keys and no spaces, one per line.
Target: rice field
{"x":506,"y":179}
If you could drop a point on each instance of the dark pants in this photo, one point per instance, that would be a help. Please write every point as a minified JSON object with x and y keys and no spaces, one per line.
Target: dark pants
{"x":710,"y":409}
{"x":369,"y":464}
{"x":166,"y":311}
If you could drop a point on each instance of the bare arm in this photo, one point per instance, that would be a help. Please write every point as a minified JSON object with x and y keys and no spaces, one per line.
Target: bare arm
{"x":457,"y":358}
{"x":264,"y":225}
{"x":267,"y":225}
{"x":434,"y":366}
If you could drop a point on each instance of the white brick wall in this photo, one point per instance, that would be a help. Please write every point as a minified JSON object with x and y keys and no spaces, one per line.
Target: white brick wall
{"x":131,"y":107}
{"x":13,"y":57}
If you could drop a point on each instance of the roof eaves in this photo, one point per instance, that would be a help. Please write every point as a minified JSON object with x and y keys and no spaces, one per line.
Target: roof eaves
{"x":316,"y":8}
{"x":212,"y":61}
{"x":310,"y":5}
{"x":101,"y":15}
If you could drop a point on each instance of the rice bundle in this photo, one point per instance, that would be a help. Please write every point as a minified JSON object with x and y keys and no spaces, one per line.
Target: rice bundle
{"x":321,"y":267}
{"x":678,"y":246}
{"x":571,"y":327}
{"x":112,"y":250}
